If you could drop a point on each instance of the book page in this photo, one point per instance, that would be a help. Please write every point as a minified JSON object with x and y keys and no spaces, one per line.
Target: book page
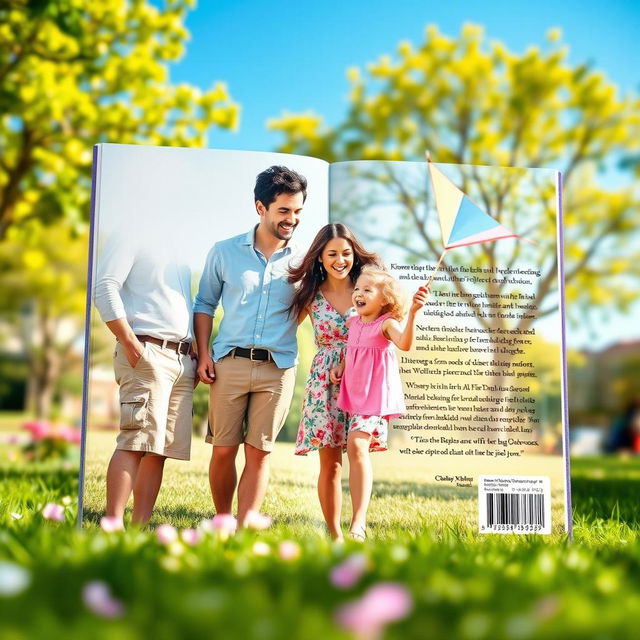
{"x":168,"y":206}
{"x":484,"y":382}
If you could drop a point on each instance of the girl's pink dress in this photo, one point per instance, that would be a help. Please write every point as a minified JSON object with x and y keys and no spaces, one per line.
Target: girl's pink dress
{"x":371,"y":383}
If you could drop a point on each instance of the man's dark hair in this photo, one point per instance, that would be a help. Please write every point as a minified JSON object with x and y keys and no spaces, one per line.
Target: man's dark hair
{"x":276,"y":180}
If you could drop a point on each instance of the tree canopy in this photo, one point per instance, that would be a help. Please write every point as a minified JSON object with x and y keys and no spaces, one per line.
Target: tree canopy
{"x":74,"y":73}
{"x":470,"y":101}
{"x":77,"y":72}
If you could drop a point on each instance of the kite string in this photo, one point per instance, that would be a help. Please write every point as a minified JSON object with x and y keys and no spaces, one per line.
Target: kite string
{"x":433,"y":275}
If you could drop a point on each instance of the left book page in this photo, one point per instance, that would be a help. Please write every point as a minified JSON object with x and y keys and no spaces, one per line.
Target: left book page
{"x":169,"y":205}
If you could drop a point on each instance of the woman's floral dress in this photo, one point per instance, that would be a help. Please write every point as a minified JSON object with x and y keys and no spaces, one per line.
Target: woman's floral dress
{"x":322,"y":424}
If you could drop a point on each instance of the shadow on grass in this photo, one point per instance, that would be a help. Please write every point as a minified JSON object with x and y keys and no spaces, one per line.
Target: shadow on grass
{"x":603,"y":489}
{"x":180,"y":515}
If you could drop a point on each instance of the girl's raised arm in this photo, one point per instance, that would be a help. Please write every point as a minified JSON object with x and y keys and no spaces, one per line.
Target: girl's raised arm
{"x":403,"y":338}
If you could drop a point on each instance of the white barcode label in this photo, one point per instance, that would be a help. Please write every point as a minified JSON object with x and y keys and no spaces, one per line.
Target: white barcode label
{"x":514,"y":504}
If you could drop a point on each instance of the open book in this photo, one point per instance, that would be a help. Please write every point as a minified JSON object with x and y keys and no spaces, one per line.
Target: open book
{"x":485,"y":382}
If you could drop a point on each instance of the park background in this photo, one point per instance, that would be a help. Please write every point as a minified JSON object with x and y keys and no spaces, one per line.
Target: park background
{"x":474,"y":83}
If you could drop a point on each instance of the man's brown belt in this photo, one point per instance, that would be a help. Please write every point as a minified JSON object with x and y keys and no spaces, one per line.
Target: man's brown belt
{"x":178,"y":347}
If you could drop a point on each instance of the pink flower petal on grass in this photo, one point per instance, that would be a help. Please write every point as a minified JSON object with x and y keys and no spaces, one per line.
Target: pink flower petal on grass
{"x":191,"y":536}
{"x":388,"y":601}
{"x":288,"y":550}
{"x":224,"y":522}
{"x":381,"y":604}
{"x":69,"y":434}
{"x":222,"y":525}
{"x":257,"y":521}
{"x":547,"y":607}
{"x":97,"y":598}
{"x":111,"y":524}
{"x":53,"y":511}
{"x":167,"y":533}
{"x":39,"y":429}
{"x":346,"y":574}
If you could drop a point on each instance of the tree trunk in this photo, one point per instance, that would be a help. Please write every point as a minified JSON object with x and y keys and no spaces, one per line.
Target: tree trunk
{"x":44,"y":361}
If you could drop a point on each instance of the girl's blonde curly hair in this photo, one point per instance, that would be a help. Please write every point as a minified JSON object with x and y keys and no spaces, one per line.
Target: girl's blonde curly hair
{"x":396,"y":304}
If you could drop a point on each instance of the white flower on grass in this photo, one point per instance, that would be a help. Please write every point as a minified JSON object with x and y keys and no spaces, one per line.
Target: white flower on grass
{"x":261,"y":548}
{"x":16,"y":516}
{"x":14,"y":579}
{"x":175,"y":548}
{"x":222,"y":524}
{"x":191,"y":536}
{"x":288,"y":550}
{"x":109,"y":524}
{"x":257,"y":521}
{"x":206,"y":526}
{"x":167,"y":533}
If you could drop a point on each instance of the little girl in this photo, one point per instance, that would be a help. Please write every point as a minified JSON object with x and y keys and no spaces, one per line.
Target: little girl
{"x":370,"y":387}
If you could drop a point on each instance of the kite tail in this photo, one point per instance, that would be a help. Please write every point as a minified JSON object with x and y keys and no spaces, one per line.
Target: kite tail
{"x":433,"y":275}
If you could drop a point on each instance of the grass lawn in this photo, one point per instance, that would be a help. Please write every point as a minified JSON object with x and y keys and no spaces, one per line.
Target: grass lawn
{"x":402,"y":501}
{"x":459,"y":584}
{"x":12,"y":421}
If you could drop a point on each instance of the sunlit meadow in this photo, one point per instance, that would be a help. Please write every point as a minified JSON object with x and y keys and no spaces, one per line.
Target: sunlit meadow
{"x":423,"y":572}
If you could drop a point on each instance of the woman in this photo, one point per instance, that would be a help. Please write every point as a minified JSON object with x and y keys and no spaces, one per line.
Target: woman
{"x":326,"y":279}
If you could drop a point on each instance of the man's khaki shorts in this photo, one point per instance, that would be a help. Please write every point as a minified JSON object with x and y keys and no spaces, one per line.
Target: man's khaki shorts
{"x":248,"y":402}
{"x":156,"y":399}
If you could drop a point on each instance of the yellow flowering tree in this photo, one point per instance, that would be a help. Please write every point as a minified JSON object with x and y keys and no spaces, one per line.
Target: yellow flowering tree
{"x":43,"y":294}
{"x":470,"y":101}
{"x":74,"y":73}
{"x":77,"y":72}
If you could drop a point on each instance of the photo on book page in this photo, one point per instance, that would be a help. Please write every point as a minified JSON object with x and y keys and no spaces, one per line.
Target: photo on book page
{"x":485,"y":382}
{"x":157,"y":212}
{"x":465,"y":421}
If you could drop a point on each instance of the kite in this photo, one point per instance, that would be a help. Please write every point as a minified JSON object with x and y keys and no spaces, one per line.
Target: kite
{"x":462,"y":222}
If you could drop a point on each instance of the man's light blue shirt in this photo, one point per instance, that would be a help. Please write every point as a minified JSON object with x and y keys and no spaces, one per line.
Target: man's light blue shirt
{"x":255,"y":297}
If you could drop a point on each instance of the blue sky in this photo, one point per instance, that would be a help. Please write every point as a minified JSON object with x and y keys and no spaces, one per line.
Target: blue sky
{"x":278,"y":57}
{"x":293,"y":56}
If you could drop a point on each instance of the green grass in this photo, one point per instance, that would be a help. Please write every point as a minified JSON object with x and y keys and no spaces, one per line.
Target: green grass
{"x":463,"y":585}
{"x":402,"y":501}
{"x":12,"y":421}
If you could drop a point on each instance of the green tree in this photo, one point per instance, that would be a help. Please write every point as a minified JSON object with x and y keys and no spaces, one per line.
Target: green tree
{"x":473,"y":102}
{"x":77,"y":72}
{"x":74,"y":73}
{"x":43,"y":293}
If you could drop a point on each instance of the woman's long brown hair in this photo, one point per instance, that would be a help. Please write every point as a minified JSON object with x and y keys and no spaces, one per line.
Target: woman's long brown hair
{"x":311,"y":274}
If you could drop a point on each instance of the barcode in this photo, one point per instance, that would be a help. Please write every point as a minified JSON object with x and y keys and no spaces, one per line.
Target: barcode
{"x":514,"y":504}
{"x":515,"y":508}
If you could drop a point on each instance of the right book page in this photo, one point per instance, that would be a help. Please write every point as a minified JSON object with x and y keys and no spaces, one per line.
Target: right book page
{"x":484,"y":438}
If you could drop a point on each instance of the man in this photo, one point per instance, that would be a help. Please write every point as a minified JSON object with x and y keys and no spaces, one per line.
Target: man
{"x":255,"y":351}
{"x":144,"y":297}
